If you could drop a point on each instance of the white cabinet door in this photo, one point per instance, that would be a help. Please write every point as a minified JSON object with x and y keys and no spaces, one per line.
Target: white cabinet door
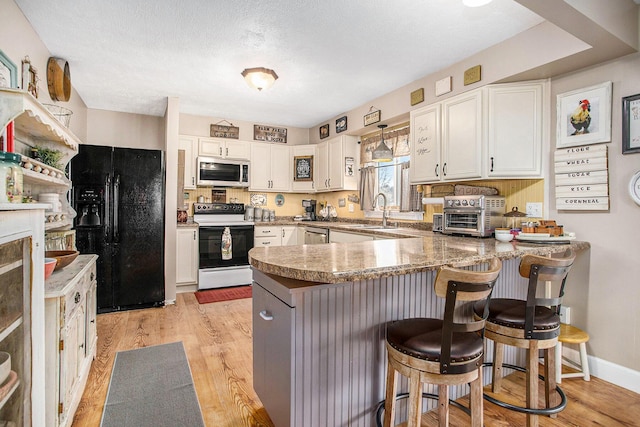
{"x":289,"y":235}
{"x":281,"y":172}
{"x":189,"y":145}
{"x":90,"y":329}
{"x":462,"y":136}
{"x":267,"y":236}
{"x":515,"y":126}
{"x":186,"y":255}
{"x":322,"y":174}
{"x":425,"y":145}
{"x":72,"y":356}
{"x":336,"y":162}
{"x":270,"y":167}
{"x":226,"y":149}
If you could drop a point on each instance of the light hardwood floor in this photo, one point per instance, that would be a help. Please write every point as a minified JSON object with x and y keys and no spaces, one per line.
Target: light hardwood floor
{"x":217,"y":339}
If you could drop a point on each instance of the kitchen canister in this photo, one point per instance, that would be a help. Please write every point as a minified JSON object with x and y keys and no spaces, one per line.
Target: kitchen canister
{"x":265,"y":215}
{"x":248,"y":213}
{"x":10,"y":178}
{"x":257,"y":214}
{"x":272,"y":215}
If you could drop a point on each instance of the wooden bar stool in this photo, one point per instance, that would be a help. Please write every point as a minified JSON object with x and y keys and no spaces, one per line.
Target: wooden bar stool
{"x":571,"y":335}
{"x":441,"y":351}
{"x":532,"y":324}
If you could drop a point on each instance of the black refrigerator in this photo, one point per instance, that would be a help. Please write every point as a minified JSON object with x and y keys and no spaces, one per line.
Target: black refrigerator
{"x":118,"y":194}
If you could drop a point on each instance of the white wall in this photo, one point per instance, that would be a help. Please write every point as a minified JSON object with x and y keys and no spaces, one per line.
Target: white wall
{"x":125,"y":130}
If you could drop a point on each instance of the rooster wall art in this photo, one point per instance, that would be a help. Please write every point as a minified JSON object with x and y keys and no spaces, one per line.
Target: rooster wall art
{"x":581,"y":117}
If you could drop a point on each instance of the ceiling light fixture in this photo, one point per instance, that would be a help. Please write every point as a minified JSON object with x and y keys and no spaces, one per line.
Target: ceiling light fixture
{"x":260,"y":77}
{"x":382,"y":153}
{"x":475,"y":3}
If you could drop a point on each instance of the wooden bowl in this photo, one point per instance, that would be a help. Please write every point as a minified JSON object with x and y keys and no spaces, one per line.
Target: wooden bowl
{"x":49,"y":266}
{"x":64,"y":257}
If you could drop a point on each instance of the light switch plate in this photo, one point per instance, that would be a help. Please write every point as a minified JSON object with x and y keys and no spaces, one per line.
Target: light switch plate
{"x":534,"y":210}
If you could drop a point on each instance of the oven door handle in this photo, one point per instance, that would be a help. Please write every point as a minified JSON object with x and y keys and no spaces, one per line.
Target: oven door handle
{"x":462,"y":211}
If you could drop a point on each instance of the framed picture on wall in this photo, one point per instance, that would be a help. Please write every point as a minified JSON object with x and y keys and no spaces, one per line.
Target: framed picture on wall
{"x":341,"y":124}
{"x":584,"y":116}
{"x":8,"y":72}
{"x":631,"y":124}
{"x":324,"y":131}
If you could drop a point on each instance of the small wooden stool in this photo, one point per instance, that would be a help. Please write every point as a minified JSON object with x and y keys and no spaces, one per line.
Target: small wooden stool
{"x":571,"y":335}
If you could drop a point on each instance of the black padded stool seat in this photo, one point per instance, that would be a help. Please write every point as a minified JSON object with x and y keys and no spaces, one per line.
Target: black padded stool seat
{"x":422,"y":338}
{"x":512,"y":314}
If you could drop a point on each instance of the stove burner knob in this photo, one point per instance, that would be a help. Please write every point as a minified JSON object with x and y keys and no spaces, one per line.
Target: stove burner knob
{"x":464,"y":203}
{"x":457,"y":202}
{"x":472,"y":202}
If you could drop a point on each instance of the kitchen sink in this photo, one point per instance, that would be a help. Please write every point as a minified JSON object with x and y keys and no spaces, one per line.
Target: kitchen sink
{"x":369,"y":227}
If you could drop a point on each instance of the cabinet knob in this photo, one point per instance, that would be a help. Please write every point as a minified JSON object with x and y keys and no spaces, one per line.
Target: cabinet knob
{"x":444,"y":169}
{"x":436,"y":169}
{"x":92,"y":276}
{"x":76,"y":297}
{"x":491,"y":164}
{"x":266,"y":315}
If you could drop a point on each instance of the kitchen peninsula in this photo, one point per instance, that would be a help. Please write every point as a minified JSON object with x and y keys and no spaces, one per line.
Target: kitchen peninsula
{"x":320,"y":311}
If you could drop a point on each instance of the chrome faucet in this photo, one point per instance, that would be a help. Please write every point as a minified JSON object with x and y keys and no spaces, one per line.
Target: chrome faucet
{"x":384,"y":208}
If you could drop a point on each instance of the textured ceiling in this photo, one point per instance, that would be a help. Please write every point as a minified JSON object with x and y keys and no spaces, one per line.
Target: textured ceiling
{"x":331,"y":55}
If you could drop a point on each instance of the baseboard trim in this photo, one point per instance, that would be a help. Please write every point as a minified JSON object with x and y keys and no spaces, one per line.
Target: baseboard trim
{"x":608,"y":371}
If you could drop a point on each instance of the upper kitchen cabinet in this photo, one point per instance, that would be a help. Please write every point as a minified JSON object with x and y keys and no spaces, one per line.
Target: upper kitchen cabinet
{"x":270,"y":167}
{"x":337,"y":164}
{"x":446,"y":140}
{"x":224,"y":148}
{"x":34,"y":125}
{"x":300,"y":155}
{"x":515,"y":128}
{"x":189,"y":144}
{"x":491,"y":132}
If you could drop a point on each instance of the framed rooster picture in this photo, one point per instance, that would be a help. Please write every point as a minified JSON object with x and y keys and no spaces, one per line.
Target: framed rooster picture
{"x":584,"y":116}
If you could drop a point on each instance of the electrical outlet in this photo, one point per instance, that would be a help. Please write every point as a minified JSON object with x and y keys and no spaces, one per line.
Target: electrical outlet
{"x":351,"y":207}
{"x":565,"y":315}
{"x":534,"y":210}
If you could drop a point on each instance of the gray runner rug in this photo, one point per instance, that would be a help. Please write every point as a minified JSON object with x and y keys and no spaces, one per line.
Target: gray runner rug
{"x":152,"y":386}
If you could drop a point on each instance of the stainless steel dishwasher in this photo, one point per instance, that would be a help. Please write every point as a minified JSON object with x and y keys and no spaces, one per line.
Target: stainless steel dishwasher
{"x":315,"y":235}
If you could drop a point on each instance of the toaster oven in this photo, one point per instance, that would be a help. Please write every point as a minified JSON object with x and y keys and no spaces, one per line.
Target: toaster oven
{"x":472,"y":215}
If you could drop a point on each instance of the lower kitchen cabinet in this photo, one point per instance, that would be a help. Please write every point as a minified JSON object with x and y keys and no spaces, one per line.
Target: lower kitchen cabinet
{"x":70,"y":337}
{"x":186,"y":255}
{"x":346,"y":237}
{"x":275,"y":235}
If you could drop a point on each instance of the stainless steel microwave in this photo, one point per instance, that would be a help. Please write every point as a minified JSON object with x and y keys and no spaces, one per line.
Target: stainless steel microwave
{"x":222,"y":172}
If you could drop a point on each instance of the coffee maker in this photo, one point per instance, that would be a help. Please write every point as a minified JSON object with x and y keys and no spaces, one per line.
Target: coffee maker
{"x":309,"y":210}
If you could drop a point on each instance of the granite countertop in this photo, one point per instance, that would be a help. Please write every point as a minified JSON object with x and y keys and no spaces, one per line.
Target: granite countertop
{"x":345,"y":262}
{"x":187,"y":224}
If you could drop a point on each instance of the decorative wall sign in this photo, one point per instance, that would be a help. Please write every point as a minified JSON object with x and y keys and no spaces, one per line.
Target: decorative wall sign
{"x":582,"y":178}
{"x":324,"y":131}
{"x":341,"y":124}
{"x":220,"y":131}
{"x":8,"y":72}
{"x":417,"y":96}
{"x":472,"y":75}
{"x":584,"y":116}
{"x":631,"y":124}
{"x":443,"y":86}
{"x":371,"y":117}
{"x":303,"y":168}
{"x":349,"y":166}
{"x":269,"y":134}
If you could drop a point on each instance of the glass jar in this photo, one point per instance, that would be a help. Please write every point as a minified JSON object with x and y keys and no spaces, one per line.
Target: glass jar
{"x":10,"y":178}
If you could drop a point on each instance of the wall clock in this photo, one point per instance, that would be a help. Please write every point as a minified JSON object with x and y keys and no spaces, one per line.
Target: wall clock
{"x":58,"y":79}
{"x":634,"y":187}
